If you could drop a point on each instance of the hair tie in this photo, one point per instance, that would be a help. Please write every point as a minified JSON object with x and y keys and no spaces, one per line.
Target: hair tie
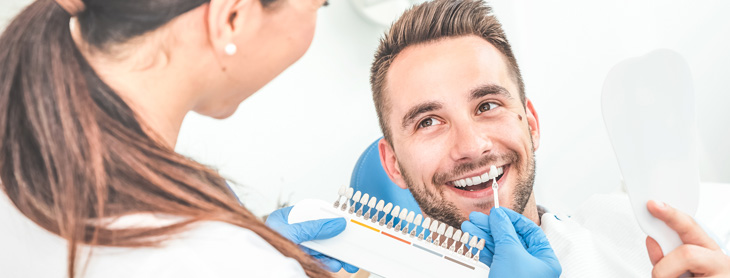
{"x":73,"y":7}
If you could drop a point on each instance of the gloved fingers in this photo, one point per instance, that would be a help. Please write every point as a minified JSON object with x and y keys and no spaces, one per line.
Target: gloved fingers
{"x":279,"y":218}
{"x":328,"y":260}
{"x":537,"y":243}
{"x":473,"y":229}
{"x":329,"y":263}
{"x":480,"y":220}
{"x":315,"y":229}
{"x":349,"y":268}
{"x":282,"y":212}
{"x":529,"y":232}
{"x":486,"y":256}
{"x":502,"y":231}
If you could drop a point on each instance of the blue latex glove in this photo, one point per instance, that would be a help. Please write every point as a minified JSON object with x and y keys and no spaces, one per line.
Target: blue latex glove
{"x":515,"y":246}
{"x":310,"y":230}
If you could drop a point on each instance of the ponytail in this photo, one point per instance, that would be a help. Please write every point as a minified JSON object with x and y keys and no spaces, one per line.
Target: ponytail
{"x":73,"y":153}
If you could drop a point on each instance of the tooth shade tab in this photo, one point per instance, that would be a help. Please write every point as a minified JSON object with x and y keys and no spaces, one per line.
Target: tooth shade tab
{"x":356,"y":197}
{"x":473,"y":242}
{"x":342,"y":191}
{"x":372,"y":202}
{"x":403,"y":214}
{"x":387,"y":208}
{"x":365,"y":198}
{"x":417,"y":220}
{"x":434,"y":226}
{"x":348,"y":193}
{"x":480,"y":244}
{"x":426,"y":222}
{"x":441,"y":229}
{"x":457,"y":235}
{"x":395,"y":211}
{"x":379,"y":206}
{"x":493,"y":171}
{"x":449,"y":232}
{"x":465,"y":238}
{"x":410,"y":217}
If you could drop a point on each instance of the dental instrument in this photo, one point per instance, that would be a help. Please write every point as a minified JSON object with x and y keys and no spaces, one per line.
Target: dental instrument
{"x":495,"y":186}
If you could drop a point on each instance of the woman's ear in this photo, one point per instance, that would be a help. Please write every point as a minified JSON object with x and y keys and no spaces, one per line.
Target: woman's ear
{"x":390,"y":163}
{"x":533,"y":123}
{"x":232,"y":21}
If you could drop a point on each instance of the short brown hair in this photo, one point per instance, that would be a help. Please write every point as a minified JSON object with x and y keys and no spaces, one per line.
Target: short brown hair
{"x":432,"y":21}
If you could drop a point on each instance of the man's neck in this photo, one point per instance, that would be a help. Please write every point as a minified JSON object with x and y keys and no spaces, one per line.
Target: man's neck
{"x":531,"y":211}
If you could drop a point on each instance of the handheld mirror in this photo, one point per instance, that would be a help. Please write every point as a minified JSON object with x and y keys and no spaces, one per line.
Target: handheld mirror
{"x":648,"y":109}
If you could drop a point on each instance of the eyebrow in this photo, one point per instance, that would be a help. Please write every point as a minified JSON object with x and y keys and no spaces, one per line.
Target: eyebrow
{"x":489,"y":89}
{"x":419,"y":109}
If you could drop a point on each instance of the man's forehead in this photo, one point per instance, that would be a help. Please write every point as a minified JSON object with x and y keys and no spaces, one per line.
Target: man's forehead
{"x":445,"y":69}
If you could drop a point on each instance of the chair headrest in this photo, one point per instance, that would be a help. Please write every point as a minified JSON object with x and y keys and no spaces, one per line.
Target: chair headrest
{"x":369,"y":177}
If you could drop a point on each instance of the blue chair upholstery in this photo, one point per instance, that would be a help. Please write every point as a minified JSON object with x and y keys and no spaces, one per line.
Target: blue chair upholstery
{"x":369,"y":177}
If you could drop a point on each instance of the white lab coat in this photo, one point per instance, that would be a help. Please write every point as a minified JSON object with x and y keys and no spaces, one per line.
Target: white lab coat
{"x":208,"y":249}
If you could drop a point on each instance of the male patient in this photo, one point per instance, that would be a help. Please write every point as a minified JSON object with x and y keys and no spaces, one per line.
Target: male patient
{"x":451,"y":103}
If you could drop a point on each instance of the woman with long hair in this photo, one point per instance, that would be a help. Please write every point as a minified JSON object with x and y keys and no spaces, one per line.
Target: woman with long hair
{"x":92,"y":97}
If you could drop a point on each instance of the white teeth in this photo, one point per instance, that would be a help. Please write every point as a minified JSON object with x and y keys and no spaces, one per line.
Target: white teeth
{"x":486,"y":176}
{"x":492,"y":173}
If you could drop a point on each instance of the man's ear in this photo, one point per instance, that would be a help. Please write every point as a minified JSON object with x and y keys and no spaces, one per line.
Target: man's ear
{"x":231,"y":20}
{"x":533,"y":123}
{"x":390,"y":163}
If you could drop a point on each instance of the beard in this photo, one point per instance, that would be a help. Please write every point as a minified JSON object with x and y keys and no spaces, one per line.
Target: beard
{"x":434,"y":204}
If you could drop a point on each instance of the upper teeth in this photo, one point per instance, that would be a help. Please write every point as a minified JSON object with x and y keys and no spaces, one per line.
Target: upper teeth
{"x":493,"y":173}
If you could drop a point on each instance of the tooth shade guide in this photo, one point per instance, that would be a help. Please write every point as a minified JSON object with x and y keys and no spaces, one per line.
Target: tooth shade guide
{"x":423,"y":248}
{"x":395,"y":244}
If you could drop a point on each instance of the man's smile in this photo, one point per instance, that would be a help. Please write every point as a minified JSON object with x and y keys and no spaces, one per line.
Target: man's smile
{"x":478,"y":184}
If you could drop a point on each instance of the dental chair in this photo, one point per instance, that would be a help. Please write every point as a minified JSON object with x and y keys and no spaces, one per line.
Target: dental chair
{"x":369,"y":177}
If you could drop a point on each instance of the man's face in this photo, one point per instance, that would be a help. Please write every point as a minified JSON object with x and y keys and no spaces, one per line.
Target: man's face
{"x":455,"y":111}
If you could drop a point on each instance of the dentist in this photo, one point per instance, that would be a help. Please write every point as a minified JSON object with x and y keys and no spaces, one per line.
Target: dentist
{"x":92,"y":97}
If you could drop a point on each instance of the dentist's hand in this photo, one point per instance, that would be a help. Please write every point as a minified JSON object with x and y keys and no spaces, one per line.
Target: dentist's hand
{"x":515,"y":246}
{"x":699,"y":255}
{"x":310,"y":230}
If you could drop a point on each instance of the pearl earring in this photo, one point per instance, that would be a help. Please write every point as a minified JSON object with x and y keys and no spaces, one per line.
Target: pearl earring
{"x":231,"y":49}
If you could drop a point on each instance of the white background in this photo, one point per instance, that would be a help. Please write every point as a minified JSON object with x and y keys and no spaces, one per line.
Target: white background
{"x":301,"y":135}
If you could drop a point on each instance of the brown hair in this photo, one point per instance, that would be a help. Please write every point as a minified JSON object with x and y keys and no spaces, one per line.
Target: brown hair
{"x":432,"y":21}
{"x":73,"y":154}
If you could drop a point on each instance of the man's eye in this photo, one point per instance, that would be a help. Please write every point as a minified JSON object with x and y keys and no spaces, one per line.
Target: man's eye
{"x":428,"y":122}
{"x":484,"y":107}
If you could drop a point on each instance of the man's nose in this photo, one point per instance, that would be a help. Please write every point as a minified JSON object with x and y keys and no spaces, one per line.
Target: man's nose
{"x":470,"y":143}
